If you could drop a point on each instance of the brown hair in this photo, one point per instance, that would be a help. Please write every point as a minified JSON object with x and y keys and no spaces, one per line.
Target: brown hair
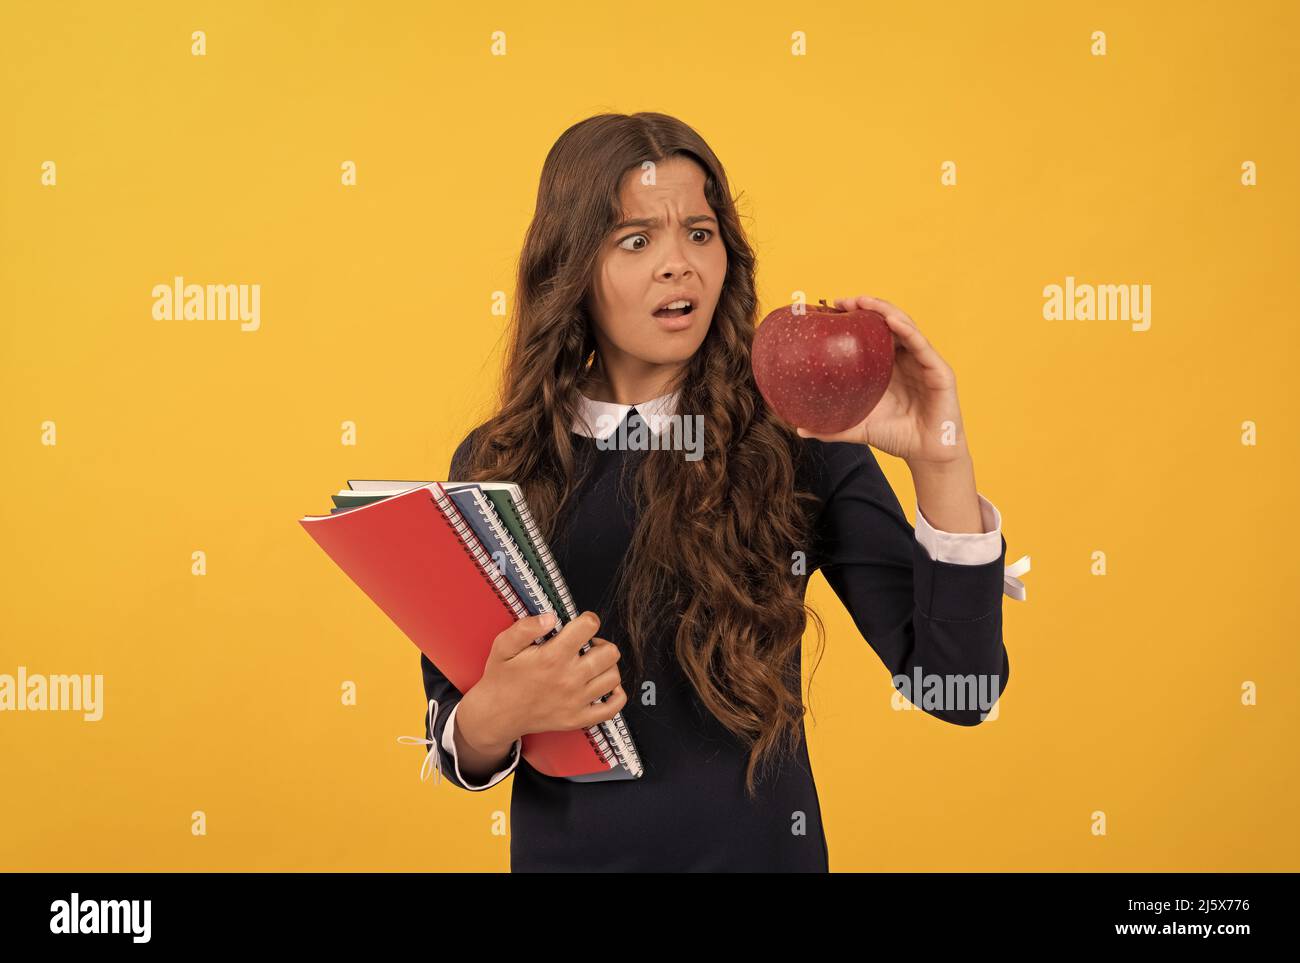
{"x":716,"y":537}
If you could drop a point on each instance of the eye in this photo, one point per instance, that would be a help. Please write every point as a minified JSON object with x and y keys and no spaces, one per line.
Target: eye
{"x":708,"y":236}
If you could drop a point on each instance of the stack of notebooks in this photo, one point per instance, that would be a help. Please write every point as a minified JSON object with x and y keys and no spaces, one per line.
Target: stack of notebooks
{"x":453,"y":564}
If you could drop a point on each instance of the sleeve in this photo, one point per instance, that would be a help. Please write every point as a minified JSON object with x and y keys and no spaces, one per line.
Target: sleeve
{"x":963,"y":548}
{"x":440,"y":734}
{"x":935,"y":624}
{"x":443,"y":735}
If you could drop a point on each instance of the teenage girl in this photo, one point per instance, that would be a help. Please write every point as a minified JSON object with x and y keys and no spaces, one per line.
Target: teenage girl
{"x":691,"y":571}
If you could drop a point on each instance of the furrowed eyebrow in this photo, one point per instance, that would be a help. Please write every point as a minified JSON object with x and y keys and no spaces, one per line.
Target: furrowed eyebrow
{"x":658,"y":221}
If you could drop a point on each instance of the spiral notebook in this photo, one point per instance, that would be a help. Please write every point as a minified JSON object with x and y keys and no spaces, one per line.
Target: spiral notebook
{"x":452,"y":564}
{"x":499,"y":516}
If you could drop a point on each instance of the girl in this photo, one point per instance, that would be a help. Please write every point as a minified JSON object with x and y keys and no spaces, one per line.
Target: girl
{"x":693,"y":566}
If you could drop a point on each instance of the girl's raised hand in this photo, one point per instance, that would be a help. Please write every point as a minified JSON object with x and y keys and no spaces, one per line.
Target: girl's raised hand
{"x":918,"y":419}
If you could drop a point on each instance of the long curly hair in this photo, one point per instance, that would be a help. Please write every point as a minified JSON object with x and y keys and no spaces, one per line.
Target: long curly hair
{"x":718,"y":538}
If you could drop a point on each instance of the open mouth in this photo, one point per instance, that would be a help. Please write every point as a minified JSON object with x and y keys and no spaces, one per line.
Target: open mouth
{"x":682,"y":308}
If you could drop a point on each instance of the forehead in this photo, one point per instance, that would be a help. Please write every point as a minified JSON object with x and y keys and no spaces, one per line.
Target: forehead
{"x":676,"y":181}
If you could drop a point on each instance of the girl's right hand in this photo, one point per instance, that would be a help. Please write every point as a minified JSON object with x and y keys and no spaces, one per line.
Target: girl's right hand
{"x":548,"y":687}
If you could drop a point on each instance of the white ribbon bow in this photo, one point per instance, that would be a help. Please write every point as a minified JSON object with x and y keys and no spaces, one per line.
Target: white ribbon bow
{"x":1010,"y":584}
{"x":432,"y":759}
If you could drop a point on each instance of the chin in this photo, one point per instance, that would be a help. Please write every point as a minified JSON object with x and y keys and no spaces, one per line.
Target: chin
{"x":678,"y":346}
{"x":660,"y":355}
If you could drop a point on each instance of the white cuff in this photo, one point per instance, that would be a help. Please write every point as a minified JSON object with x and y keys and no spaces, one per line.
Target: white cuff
{"x":973,"y":548}
{"x":449,"y":743}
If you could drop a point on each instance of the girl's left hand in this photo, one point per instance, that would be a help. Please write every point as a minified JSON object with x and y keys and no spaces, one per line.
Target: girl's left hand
{"x":918,"y":419}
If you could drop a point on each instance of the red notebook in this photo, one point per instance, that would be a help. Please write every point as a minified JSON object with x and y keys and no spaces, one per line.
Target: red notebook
{"x":419,"y":561}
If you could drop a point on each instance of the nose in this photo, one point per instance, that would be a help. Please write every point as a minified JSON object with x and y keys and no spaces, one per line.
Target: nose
{"x":675,"y":263}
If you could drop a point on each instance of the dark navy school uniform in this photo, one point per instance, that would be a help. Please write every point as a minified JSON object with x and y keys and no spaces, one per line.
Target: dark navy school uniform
{"x":690,"y":811}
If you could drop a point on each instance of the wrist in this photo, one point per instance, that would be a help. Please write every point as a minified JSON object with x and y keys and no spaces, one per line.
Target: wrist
{"x":958,"y":464}
{"x":947,"y":497}
{"x":481,"y":723}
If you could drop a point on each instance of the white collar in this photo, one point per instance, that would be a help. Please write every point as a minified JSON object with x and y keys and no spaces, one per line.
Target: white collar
{"x":589,"y":422}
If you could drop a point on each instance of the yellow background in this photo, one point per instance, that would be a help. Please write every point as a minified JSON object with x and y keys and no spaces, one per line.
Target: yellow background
{"x":222,"y":692}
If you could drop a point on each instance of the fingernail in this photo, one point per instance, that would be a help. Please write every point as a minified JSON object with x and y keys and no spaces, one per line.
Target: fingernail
{"x":548,"y":620}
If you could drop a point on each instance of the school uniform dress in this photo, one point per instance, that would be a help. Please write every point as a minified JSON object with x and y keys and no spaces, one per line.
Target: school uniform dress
{"x":926,"y":601}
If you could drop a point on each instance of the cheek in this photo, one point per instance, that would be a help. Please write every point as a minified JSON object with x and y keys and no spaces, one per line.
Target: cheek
{"x":718,"y":270}
{"x":611,"y":295}
{"x":620,"y":288}
{"x":622,"y":297}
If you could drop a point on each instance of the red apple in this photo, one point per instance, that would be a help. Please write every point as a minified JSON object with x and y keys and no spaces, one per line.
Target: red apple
{"x":823,"y":370}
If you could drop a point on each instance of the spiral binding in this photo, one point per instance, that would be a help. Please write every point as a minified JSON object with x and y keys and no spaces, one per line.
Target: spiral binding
{"x":548,"y":560}
{"x":488,"y":512}
{"x":595,"y":737}
{"x":563,"y":601}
